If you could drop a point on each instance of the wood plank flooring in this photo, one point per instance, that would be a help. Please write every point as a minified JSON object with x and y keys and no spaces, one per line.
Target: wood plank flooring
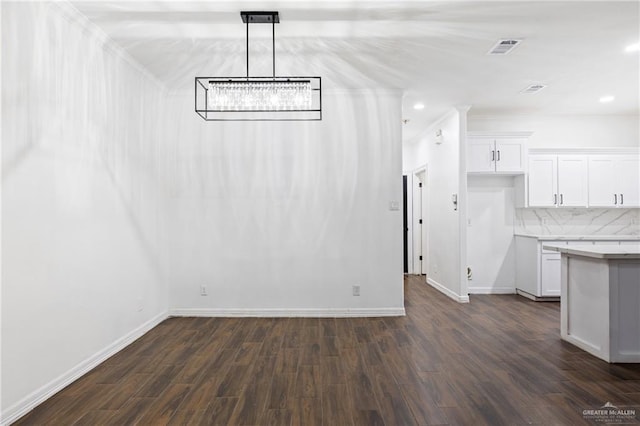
{"x":498,"y":360}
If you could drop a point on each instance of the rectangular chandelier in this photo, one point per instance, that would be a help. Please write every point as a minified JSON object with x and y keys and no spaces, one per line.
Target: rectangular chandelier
{"x":259,"y":98}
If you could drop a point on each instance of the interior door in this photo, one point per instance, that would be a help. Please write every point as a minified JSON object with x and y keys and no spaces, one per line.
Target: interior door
{"x":405,"y":227}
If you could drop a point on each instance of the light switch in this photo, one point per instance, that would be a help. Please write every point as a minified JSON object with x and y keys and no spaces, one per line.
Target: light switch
{"x":394,"y":205}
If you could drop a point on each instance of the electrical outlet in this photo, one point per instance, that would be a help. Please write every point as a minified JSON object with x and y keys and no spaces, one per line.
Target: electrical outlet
{"x":203,"y":290}
{"x":356,"y":290}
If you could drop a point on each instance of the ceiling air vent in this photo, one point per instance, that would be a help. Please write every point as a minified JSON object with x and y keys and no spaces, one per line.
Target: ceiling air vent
{"x":534,"y":88}
{"x":502,"y":47}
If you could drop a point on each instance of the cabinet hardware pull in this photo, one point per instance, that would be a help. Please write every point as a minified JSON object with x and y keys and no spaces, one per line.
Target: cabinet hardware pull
{"x":621,"y":199}
{"x":493,"y":156}
{"x":615,"y":199}
{"x":561,"y":199}
{"x":555,"y":199}
{"x":498,"y":155}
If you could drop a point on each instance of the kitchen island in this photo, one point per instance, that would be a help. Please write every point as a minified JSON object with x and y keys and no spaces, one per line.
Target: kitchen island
{"x":600,"y":299}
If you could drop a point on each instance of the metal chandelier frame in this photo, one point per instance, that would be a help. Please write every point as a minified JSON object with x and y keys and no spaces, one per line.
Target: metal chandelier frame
{"x":203,"y":85}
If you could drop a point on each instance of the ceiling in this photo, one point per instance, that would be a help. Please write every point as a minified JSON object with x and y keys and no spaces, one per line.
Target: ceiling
{"x":434,"y":51}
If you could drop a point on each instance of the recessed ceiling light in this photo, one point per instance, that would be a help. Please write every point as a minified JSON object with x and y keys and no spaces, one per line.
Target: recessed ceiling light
{"x":419,"y":105}
{"x":606,"y":99}
{"x":633,"y":48}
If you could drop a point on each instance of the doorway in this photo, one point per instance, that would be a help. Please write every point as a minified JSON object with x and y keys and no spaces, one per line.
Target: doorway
{"x":405,"y":227}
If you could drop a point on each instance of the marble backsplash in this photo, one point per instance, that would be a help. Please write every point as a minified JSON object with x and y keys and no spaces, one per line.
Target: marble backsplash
{"x":578,"y":221}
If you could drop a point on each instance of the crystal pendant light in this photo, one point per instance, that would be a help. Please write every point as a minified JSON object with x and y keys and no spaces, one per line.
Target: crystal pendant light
{"x":259,"y":98}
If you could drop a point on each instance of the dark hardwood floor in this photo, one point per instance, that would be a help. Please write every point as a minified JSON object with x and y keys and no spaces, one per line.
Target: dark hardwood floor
{"x":498,"y":360}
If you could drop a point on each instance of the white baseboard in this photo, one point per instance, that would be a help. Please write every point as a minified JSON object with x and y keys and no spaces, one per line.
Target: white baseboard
{"x":37,"y":397}
{"x":491,"y":290}
{"x":286,"y":313}
{"x":447,"y":292}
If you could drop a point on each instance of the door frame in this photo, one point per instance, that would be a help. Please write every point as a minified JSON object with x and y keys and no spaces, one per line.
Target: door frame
{"x":415,"y":266}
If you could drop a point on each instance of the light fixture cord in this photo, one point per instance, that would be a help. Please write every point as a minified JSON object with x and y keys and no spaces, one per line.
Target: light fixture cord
{"x":273,"y":45}
{"x":247,"y":48}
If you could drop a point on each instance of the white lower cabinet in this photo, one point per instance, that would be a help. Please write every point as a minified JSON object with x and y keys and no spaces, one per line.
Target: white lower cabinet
{"x":538,"y":269}
{"x":550,"y":274}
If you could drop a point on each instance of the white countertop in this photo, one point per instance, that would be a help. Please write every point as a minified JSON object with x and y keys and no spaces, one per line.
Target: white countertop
{"x":631,"y":251}
{"x":581,"y":237}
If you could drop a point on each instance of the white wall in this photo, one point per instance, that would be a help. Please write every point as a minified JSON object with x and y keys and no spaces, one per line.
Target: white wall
{"x":443,"y":165}
{"x":80,"y":208}
{"x":566,"y":131}
{"x":490,"y":242}
{"x":284,"y":217}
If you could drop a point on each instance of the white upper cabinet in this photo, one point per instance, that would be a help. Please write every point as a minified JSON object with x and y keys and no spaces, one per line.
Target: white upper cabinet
{"x":628,"y":178}
{"x":543,"y":180}
{"x":614,"y":181}
{"x":601,"y":181}
{"x":497,"y":154}
{"x":481,"y":155}
{"x":572,"y":181}
{"x":558,"y":180}
{"x":510,"y":155}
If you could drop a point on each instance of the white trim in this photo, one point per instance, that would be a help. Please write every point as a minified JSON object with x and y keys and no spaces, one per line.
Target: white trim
{"x":447,"y":292}
{"x":71,"y":13}
{"x":461,"y":205}
{"x":586,"y":151}
{"x":286,"y":313}
{"x":46,"y":391}
{"x":498,"y":135}
{"x":1,"y":186}
{"x":492,"y":290}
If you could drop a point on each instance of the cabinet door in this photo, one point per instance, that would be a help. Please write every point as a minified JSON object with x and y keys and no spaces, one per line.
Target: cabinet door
{"x":510,"y":155}
{"x":628,"y":181}
{"x":543,"y":171}
{"x":481,"y":155}
{"x":572,"y":181}
{"x":602,"y":181}
{"x":550,"y":274}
